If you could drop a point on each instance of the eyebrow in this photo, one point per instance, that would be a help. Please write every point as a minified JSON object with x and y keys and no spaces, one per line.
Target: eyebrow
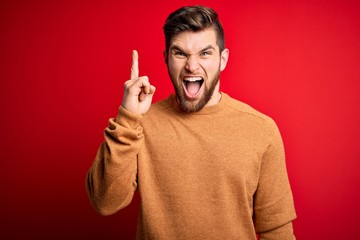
{"x":177,"y":48}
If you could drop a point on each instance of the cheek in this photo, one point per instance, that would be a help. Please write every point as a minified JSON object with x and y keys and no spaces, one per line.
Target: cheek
{"x":211,"y":67}
{"x":174,"y":67}
{"x":171,"y":66}
{"x":173,"y":72}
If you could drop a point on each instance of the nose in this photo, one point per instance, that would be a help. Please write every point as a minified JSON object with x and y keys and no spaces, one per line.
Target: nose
{"x":192,"y":64}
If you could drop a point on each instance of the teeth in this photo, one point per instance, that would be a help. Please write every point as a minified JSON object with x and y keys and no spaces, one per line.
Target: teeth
{"x":192,"y":79}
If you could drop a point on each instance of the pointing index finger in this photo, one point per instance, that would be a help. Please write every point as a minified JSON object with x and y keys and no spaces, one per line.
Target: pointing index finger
{"x":135,"y":65}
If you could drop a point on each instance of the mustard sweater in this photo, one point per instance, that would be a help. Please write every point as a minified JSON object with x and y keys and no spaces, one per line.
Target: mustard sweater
{"x":216,"y":174}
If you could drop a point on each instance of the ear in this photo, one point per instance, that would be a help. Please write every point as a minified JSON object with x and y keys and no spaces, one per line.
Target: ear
{"x":165,"y":57}
{"x":224,"y":58}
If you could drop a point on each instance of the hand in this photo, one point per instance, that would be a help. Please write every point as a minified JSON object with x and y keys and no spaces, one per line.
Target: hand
{"x":138,"y":92}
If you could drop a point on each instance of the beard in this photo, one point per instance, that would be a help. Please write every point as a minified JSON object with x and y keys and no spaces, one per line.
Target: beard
{"x":188,"y":106}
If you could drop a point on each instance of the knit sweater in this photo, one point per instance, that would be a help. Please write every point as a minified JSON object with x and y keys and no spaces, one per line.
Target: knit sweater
{"x":219,"y":173}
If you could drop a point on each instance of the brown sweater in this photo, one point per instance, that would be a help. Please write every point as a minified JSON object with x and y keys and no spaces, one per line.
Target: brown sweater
{"x":216,"y":174}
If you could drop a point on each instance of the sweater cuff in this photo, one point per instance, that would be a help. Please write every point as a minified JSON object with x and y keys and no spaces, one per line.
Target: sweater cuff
{"x":128,"y":119}
{"x":285,"y":232}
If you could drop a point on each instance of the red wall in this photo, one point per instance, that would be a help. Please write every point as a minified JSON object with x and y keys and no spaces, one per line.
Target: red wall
{"x":62,"y":69}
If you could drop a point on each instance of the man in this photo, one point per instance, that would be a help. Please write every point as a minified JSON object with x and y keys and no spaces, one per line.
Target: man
{"x":206,"y":166}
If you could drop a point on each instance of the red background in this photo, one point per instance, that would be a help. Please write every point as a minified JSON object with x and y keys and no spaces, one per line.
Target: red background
{"x":63,"y":65}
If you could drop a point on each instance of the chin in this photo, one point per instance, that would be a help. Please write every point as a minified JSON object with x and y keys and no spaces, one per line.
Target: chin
{"x":190,"y":106}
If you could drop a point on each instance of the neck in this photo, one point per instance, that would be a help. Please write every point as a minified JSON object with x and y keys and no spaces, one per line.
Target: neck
{"x":216,"y":96}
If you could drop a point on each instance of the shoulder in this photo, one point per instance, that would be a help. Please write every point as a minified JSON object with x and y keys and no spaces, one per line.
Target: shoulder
{"x":161,"y":109}
{"x":244,"y":108}
{"x":247,"y":113}
{"x":253,"y":119}
{"x":162,"y":106}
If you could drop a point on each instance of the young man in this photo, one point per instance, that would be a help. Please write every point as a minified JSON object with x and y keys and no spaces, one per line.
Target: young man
{"x":206,"y":166}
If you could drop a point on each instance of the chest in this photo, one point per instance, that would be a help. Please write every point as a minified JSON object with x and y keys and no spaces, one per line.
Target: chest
{"x":202,"y":153}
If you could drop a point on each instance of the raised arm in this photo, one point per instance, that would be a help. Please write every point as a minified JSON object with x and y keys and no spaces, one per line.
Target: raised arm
{"x":111,"y":180}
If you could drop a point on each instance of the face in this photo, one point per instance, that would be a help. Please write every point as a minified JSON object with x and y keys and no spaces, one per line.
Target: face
{"x":194,"y":64}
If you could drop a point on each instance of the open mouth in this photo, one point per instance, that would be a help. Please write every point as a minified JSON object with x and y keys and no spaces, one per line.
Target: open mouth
{"x":193,"y":86}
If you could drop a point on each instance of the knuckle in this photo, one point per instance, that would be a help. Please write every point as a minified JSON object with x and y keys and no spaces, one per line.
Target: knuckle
{"x":144,"y":79}
{"x":127,"y":84}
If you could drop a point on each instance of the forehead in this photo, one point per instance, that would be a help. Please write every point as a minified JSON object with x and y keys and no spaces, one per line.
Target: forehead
{"x":194,"y":41}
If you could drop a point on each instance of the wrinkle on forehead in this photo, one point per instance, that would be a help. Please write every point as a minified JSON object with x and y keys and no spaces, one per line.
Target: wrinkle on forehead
{"x":194,"y":42}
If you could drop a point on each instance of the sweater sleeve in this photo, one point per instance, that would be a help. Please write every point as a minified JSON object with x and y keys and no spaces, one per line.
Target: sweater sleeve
{"x":111,"y":180}
{"x":273,"y":203}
